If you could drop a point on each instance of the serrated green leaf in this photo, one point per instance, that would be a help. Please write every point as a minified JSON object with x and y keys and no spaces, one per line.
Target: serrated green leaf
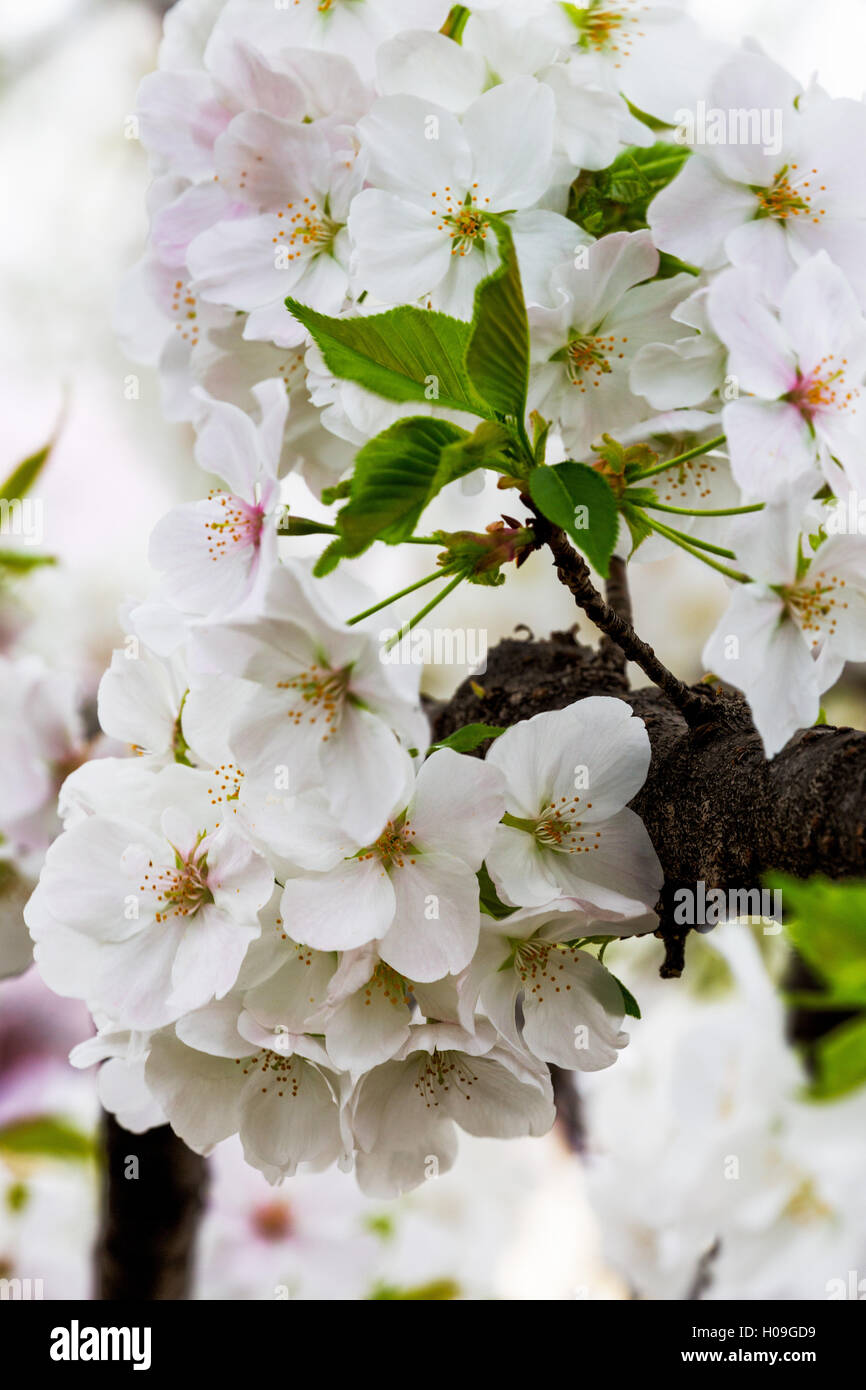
{"x":404,"y":354}
{"x":45,"y":1136}
{"x":578,"y":499}
{"x":617,"y":198}
{"x":329,"y":558}
{"x":469,"y":737}
{"x":497,"y":357}
{"x":396,"y":475}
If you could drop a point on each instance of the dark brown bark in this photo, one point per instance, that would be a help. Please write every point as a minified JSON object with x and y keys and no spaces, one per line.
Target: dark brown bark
{"x":146,"y":1243}
{"x":716,"y":810}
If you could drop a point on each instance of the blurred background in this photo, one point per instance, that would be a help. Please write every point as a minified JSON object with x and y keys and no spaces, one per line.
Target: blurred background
{"x":646,"y":1209}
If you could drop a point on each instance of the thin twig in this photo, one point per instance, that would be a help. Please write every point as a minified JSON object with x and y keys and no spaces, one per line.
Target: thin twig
{"x":619,"y":598}
{"x":573,"y":571}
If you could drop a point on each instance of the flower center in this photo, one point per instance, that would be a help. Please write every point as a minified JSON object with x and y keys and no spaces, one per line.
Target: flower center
{"x":226,"y":787}
{"x":184,"y":307}
{"x":539,"y":965}
{"x":180,"y":891}
{"x":608,"y":31}
{"x":273,"y":1220}
{"x":309,"y":231}
{"x":319,"y":694}
{"x":556,"y":827}
{"x":586,"y":358}
{"x":813,"y":607}
{"x":278,"y":1071}
{"x":791,"y":194}
{"x":393,"y":846}
{"x":465,"y":221}
{"x":825,"y":389}
{"x":392,"y":986}
{"x":442,"y":1072}
{"x":239,"y":524}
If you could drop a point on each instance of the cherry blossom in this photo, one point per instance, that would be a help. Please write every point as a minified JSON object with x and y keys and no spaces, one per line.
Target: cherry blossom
{"x":803,"y":368}
{"x":567,"y":833}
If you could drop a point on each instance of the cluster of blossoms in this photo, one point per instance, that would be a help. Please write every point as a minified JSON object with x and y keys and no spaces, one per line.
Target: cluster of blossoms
{"x":292,"y":917}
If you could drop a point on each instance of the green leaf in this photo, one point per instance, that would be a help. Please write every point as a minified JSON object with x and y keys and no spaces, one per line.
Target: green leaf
{"x":469,"y":737}
{"x":840,"y":1060}
{"x":491,"y":903}
{"x":826,"y":921}
{"x":616,"y":199}
{"x":404,"y":354}
{"x":22,"y":478}
{"x":436,"y":1291}
{"x":329,"y":558}
{"x":45,"y":1136}
{"x":632,"y":1008}
{"x":489,"y":446}
{"x":396,"y":475}
{"x":637,"y":524}
{"x":22,"y":561}
{"x":497,"y":357}
{"x":578,"y":499}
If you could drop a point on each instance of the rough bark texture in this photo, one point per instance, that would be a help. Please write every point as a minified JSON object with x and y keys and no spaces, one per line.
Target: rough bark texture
{"x":715,"y":809}
{"x":146,"y":1244}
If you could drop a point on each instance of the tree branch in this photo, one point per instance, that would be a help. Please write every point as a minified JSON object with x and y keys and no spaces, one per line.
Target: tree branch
{"x":716,"y":811}
{"x":153,"y":1191}
{"x":573,"y":571}
{"x":616,"y":591}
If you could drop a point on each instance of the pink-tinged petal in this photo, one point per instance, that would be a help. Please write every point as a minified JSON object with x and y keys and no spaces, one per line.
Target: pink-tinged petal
{"x":180,"y":118}
{"x":769,"y":444}
{"x":760,"y":355}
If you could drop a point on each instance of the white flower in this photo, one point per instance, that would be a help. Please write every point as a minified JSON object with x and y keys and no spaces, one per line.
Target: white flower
{"x":583,"y":349}
{"x":785,"y":637}
{"x":146,"y":906}
{"x":327,"y":709}
{"x":213,"y":552}
{"x":567,"y":833}
{"x":253,"y":263}
{"x":770,"y":202}
{"x":803,"y":370}
{"x":652,"y":53}
{"x":404,"y":1112}
{"x":422,"y":230}
{"x":277,"y":1090}
{"x":412,"y":887}
{"x":572,"y":1007}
